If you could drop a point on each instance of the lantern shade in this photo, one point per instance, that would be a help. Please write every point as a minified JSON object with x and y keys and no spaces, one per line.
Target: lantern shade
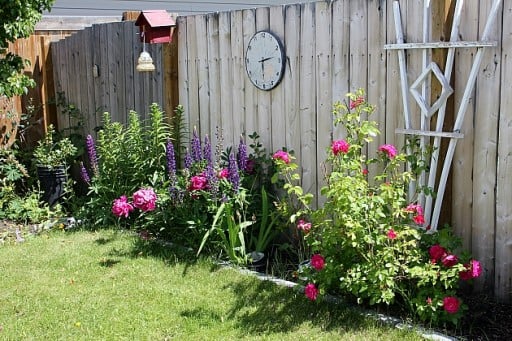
{"x":156,"y":26}
{"x":145,"y":62}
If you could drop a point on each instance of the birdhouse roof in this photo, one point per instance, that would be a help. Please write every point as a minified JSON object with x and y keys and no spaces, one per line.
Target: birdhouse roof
{"x":155,"y":18}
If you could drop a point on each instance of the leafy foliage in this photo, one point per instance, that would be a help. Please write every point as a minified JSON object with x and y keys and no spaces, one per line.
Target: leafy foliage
{"x":50,"y":153}
{"x":17,"y":20}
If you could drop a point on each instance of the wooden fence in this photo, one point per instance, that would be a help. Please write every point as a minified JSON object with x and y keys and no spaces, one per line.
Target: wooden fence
{"x":337,"y":46}
{"x":40,"y":100}
{"x":96,"y":71}
{"x":332,"y":47}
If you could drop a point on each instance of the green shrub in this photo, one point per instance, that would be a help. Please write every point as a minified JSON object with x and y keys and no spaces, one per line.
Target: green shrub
{"x":368,"y":241}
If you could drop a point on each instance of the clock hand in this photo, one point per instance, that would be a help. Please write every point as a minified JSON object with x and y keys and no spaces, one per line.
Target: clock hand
{"x":265,"y":59}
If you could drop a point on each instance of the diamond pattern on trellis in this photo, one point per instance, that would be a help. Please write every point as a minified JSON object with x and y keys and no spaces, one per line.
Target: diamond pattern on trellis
{"x":446,"y":91}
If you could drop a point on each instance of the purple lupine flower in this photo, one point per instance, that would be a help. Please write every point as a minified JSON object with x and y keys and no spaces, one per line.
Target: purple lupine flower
{"x":213,"y":180}
{"x":219,"y":146}
{"x":91,"y":152}
{"x":196,"y":147}
{"x":177,"y":195}
{"x":188,"y":160}
{"x":233,"y":176}
{"x":171,"y":159}
{"x":84,"y":174}
{"x":242,"y":155}
{"x":207,"y":150}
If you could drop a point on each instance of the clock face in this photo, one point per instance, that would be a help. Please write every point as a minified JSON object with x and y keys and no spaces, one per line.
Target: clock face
{"x":265,"y":60}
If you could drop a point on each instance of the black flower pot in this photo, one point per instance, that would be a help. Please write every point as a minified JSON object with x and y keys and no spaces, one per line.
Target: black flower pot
{"x":52,"y":182}
{"x":258,"y":261}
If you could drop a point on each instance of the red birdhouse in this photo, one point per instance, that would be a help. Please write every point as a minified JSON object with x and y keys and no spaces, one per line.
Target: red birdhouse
{"x":155,"y":26}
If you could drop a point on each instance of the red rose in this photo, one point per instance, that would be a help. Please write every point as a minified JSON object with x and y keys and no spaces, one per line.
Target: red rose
{"x":451,"y":304}
{"x":339,"y":146}
{"x":317,"y":262}
{"x":436,"y":252}
{"x":391,"y":234}
{"x":449,"y":260}
{"x":311,"y":291}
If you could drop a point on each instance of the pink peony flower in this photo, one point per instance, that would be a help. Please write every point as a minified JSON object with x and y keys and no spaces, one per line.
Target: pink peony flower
{"x":357,"y":102}
{"x":197,"y":183}
{"x":317,"y":262}
{"x":451,"y":304}
{"x":436,"y":252}
{"x":281,"y":155}
{"x":340,"y":146}
{"x":223,"y":173}
{"x":144,"y":199}
{"x":303,"y":225}
{"x":449,"y":260}
{"x":473,"y":270}
{"x":389,"y":150}
{"x":311,"y":291}
{"x":121,"y":207}
{"x":391,"y":234}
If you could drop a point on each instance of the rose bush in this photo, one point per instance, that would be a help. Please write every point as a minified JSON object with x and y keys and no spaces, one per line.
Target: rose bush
{"x":368,"y":240}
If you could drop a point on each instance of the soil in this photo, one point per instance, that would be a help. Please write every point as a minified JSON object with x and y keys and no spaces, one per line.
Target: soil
{"x":486,"y":319}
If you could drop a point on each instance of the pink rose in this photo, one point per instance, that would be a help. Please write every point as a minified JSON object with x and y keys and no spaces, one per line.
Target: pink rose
{"x":449,"y":260}
{"x":197,"y":183}
{"x":436,"y":252}
{"x":429,"y":301}
{"x":317,"y":262}
{"x":311,"y":291}
{"x":389,"y":150}
{"x":365,"y":171}
{"x":303,"y":225}
{"x":414,"y":208}
{"x":223,"y":173}
{"x":391,"y":234}
{"x":340,"y":146}
{"x":451,"y":304}
{"x":473,"y":270}
{"x":144,"y":199}
{"x":121,"y":207}
{"x":281,"y":155}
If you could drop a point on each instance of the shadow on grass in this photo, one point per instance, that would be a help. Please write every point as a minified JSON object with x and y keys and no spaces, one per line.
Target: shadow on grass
{"x":261,"y":307}
{"x":168,"y":253}
{"x":109,"y":262}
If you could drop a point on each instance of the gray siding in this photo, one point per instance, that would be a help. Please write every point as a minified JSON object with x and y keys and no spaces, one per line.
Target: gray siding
{"x":182,"y":7}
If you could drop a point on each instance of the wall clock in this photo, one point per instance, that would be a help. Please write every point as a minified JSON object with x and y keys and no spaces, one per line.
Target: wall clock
{"x":265,"y":60}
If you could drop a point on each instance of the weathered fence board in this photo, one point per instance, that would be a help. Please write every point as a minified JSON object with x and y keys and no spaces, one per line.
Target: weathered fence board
{"x":484,"y":157}
{"x":462,"y":188}
{"x":307,"y":100}
{"x":503,"y":239}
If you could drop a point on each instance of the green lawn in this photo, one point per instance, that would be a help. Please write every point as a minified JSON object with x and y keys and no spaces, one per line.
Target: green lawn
{"x":108,"y":285}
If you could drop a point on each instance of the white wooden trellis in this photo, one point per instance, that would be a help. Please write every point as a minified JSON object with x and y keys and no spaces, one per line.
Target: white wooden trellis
{"x":418,"y":90}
